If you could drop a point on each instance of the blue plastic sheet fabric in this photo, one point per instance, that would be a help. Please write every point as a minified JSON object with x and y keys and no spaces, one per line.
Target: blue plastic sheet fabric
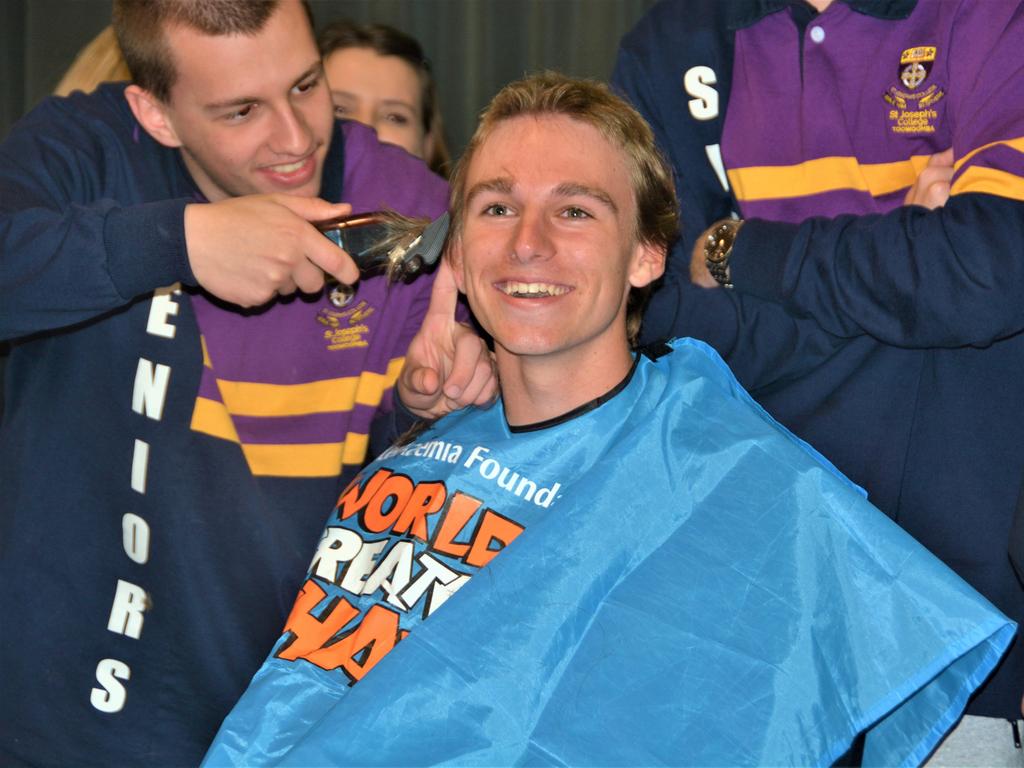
{"x":702,"y":589}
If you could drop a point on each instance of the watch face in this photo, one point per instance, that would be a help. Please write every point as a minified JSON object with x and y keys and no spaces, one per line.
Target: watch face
{"x":720,"y":242}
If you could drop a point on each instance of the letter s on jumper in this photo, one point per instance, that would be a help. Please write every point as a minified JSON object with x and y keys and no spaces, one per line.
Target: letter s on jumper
{"x":697,"y":82}
{"x":111,"y":697}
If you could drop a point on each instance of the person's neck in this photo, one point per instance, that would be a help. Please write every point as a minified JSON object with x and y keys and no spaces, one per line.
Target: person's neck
{"x":536,"y":389}
{"x":820,"y":5}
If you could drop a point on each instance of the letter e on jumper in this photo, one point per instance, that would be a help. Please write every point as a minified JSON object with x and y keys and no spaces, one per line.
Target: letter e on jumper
{"x":162,"y":307}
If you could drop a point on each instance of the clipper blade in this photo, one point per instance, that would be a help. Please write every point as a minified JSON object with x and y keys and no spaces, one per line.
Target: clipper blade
{"x":425,"y":250}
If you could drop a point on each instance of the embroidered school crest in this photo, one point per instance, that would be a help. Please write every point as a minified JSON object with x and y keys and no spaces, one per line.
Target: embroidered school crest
{"x":345,"y":329}
{"x":915,"y":65}
{"x":912,"y":98}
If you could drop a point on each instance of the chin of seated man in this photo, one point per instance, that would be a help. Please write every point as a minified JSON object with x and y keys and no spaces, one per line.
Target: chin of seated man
{"x":684,"y":583}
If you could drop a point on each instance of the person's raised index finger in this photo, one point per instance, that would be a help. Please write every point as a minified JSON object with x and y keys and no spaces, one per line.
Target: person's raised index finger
{"x":444,"y":296}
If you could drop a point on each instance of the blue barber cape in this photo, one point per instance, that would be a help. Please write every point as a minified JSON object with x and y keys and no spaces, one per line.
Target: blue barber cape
{"x":681,"y":581}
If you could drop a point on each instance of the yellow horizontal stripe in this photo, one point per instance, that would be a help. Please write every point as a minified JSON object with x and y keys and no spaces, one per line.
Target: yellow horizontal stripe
{"x":212,"y":418}
{"x":246,"y":398}
{"x":372,"y":385}
{"x":990,"y":181}
{"x":299,"y":460}
{"x":825,"y":174}
{"x":306,"y":460}
{"x":885,"y":178}
{"x":1017,"y":144}
{"x":829,"y":174}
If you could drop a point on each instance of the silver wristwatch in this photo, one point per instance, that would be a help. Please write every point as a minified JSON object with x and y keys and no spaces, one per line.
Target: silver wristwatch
{"x":718,"y":249}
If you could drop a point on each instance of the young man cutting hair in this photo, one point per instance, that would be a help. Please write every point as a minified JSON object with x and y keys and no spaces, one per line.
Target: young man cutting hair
{"x":177,"y":418}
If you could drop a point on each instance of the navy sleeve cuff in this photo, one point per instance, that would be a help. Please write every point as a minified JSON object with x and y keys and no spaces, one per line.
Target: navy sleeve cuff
{"x":145,"y":247}
{"x":759,"y":255}
{"x":404,"y":419}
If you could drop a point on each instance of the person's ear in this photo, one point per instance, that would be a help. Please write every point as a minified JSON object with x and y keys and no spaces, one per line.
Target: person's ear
{"x":648,"y":264}
{"x":152,"y":115}
{"x":454,"y":256}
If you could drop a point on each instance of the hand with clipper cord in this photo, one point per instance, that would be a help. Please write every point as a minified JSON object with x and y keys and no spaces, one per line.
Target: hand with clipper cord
{"x":247,"y":250}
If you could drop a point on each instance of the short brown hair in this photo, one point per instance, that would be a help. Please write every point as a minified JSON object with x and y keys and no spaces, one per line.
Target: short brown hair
{"x":388,"y":41}
{"x":593,"y":103}
{"x":140,"y":26}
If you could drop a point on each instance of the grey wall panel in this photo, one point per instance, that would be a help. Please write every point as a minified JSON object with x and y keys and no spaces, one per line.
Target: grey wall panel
{"x":475,"y":46}
{"x":12,"y":62}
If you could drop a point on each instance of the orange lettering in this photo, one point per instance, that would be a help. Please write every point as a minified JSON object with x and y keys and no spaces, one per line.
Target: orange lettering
{"x":310,"y":632}
{"x":459,"y":512}
{"x":396,"y":487}
{"x":426,"y":499}
{"x":493,"y":528}
{"x":354,"y":499}
{"x":371,"y":640}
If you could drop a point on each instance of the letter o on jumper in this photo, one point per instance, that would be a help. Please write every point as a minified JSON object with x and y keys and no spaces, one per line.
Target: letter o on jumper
{"x":135,"y":537}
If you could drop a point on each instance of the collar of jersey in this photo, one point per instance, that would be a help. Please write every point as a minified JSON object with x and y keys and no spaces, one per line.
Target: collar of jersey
{"x":742,"y":15}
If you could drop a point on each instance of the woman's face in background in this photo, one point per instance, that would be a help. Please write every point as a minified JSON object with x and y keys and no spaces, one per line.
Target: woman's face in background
{"x":383,"y":92}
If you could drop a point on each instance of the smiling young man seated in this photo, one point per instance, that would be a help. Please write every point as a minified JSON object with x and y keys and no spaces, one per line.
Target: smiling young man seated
{"x":680,"y":580}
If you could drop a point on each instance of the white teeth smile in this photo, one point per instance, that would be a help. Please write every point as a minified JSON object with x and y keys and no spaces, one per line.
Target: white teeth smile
{"x":289,"y":168}
{"x":532,"y":290}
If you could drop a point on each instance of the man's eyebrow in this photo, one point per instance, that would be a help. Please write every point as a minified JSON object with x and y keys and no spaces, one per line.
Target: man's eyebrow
{"x":501,"y":184}
{"x":573,"y":189}
{"x":314,"y":69}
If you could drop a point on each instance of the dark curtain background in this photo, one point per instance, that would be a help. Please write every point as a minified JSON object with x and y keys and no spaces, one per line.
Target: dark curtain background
{"x":475,"y":46}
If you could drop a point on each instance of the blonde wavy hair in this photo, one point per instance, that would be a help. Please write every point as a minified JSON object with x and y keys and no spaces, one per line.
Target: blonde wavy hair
{"x":594,"y":103}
